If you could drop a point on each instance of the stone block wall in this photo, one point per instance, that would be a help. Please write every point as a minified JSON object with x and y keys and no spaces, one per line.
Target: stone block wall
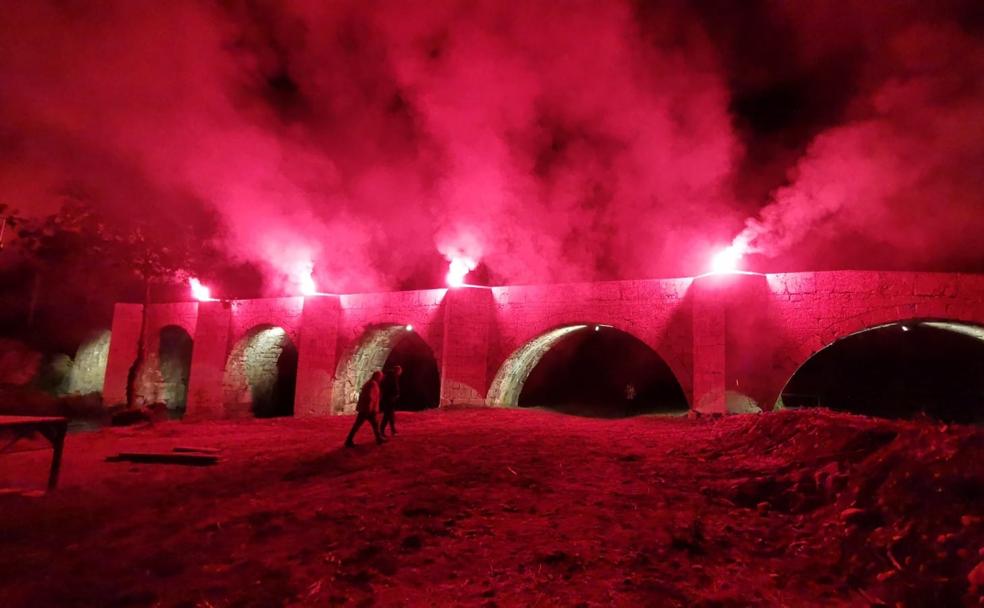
{"x":741,"y":334}
{"x":317,"y":355}
{"x":208,"y":360}
{"x":253,"y":371}
{"x":370,"y":325}
{"x":124,"y":336}
{"x":467,"y":322}
{"x":123,"y":343}
{"x":422,"y":310}
{"x":709,"y":344}
{"x":151,"y":384}
{"x":248,"y":315}
{"x":657,"y":312}
{"x":88,"y":371}
{"x":814,"y":309}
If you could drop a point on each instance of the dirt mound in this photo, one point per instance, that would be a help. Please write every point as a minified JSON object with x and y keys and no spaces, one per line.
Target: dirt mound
{"x":898,"y":502}
{"x":919,"y":506}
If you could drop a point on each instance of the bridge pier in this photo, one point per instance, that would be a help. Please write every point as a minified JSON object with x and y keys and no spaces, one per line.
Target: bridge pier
{"x":208,"y":361}
{"x":709,"y":347}
{"x":468,"y":319}
{"x":122,"y":352}
{"x":317,"y":355}
{"x":737,"y":334}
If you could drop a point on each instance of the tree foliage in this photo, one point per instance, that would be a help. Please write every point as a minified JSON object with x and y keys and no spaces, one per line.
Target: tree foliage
{"x":80,"y":238}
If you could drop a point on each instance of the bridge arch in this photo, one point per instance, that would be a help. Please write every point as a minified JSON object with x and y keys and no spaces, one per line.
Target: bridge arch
{"x":174,"y":346}
{"x":88,"y":370}
{"x":910,"y":338}
{"x":379,"y":345}
{"x":507,"y":387}
{"x":260,"y":374}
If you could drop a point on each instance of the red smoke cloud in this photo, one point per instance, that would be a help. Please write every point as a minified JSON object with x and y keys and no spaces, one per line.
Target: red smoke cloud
{"x":552,"y":144}
{"x":593,"y":140}
{"x":574,"y":147}
{"x":901,"y":174}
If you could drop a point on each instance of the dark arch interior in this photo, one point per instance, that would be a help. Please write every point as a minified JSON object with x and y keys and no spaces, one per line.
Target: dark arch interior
{"x":588,"y":371}
{"x":174,"y":356}
{"x":896,"y":373}
{"x":278,"y":399}
{"x":420,"y":383}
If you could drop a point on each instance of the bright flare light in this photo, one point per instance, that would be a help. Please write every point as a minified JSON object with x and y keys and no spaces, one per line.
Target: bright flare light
{"x":727,"y":260}
{"x":459,"y":268}
{"x":199,"y":291}
{"x":308,"y":286}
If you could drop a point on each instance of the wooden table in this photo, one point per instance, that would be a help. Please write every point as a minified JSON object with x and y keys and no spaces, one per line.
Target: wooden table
{"x":52,"y":428}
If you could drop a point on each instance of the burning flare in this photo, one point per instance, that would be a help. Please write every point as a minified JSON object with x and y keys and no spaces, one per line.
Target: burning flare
{"x":306,"y":280}
{"x":727,"y":260}
{"x":199,"y":291}
{"x":458,"y":270}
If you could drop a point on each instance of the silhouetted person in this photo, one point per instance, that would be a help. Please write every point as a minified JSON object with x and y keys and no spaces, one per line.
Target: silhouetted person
{"x":366,"y":409}
{"x":390,"y":395}
{"x":630,"y":395}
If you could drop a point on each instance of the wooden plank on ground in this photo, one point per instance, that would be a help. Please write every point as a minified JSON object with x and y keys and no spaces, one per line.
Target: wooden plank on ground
{"x":182,"y":449}
{"x":198,"y":460}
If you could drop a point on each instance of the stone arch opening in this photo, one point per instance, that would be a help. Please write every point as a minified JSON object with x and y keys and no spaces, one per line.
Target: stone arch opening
{"x":174,"y":361}
{"x":420,"y":382}
{"x":261,"y":375}
{"x":897,"y":370}
{"x":380,"y":348}
{"x":88,"y":371}
{"x":588,"y":369}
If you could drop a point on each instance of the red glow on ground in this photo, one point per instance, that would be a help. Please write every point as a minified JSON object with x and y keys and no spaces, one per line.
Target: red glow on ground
{"x":435,"y":479}
{"x":458,"y":270}
{"x":199,"y":291}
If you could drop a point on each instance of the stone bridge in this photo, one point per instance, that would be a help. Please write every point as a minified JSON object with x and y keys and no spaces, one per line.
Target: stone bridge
{"x":719,"y":334}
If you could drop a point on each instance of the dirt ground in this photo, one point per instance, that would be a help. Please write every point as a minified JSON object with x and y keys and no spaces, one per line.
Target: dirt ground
{"x":482,"y":507}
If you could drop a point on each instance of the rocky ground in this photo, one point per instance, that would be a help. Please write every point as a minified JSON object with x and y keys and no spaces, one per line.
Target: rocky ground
{"x":506,"y":508}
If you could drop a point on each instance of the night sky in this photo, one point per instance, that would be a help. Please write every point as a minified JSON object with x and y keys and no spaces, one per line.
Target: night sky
{"x":549,"y":142}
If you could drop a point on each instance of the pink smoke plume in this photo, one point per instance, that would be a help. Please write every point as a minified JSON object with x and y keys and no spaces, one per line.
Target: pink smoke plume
{"x":496,"y":130}
{"x":458,"y":269}
{"x":352,"y":146}
{"x":900,"y":182}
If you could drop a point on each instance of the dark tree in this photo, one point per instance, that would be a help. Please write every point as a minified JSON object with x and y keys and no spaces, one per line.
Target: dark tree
{"x":138,"y":251}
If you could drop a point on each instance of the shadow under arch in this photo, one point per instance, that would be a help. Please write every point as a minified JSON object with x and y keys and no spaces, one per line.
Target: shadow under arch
{"x":896,"y":369}
{"x":507,"y":388}
{"x":174,"y":363}
{"x":379,"y":347}
{"x":261,"y":374}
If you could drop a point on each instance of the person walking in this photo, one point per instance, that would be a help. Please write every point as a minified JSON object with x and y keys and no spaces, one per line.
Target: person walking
{"x":366,"y":409}
{"x":390,"y":396}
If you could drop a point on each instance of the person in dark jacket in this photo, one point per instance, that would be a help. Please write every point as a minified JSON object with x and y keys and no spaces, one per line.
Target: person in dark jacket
{"x":366,"y":409}
{"x":390,"y":396}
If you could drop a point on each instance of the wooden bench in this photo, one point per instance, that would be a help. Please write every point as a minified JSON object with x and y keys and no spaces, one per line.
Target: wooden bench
{"x":52,"y":428}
